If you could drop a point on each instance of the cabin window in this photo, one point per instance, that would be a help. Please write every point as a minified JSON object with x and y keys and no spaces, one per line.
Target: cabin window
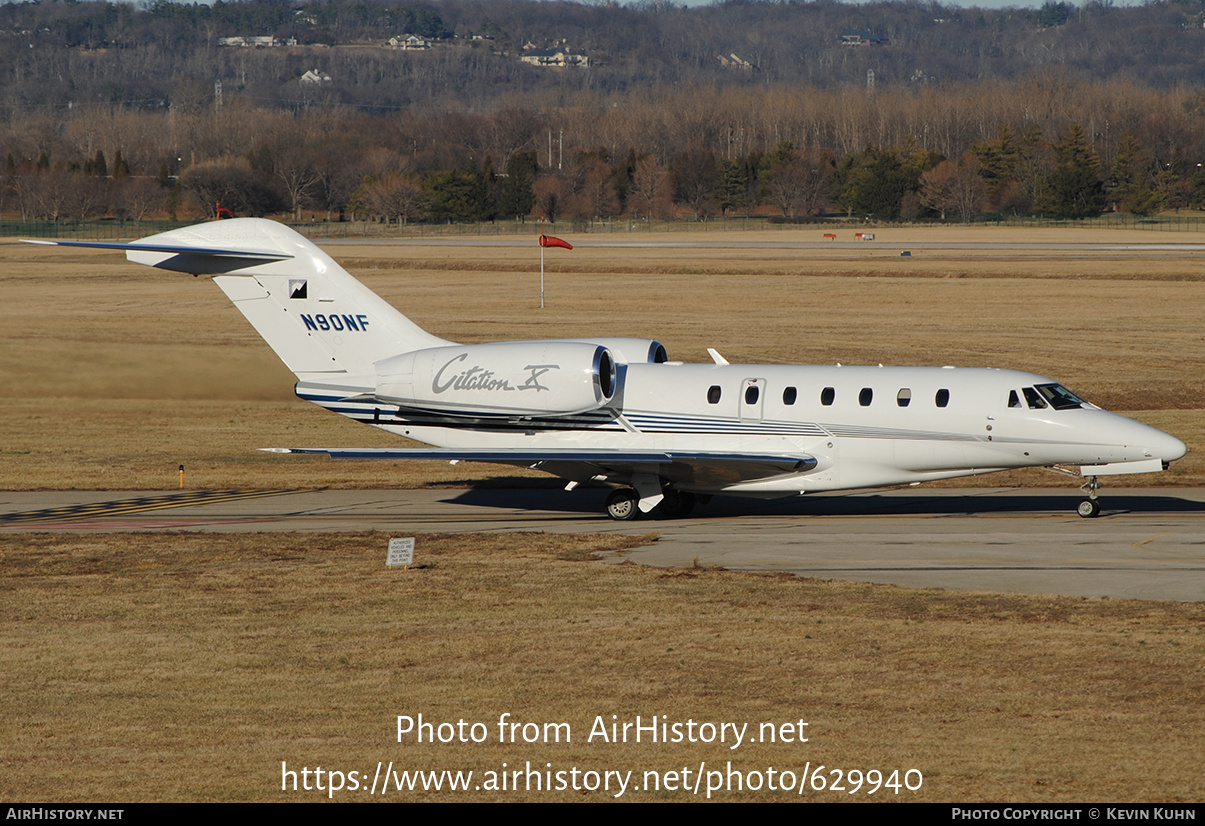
{"x":1013,"y":400}
{"x":827,"y":395}
{"x":942,"y":398}
{"x":752,"y":394}
{"x":1033,"y":399}
{"x":788,"y":395}
{"x":865,"y":397}
{"x":904,"y":397}
{"x":713,"y":394}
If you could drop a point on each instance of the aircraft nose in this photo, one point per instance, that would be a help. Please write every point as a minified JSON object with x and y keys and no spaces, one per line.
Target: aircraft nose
{"x":1167,"y":447}
{"x":1157,"y":444}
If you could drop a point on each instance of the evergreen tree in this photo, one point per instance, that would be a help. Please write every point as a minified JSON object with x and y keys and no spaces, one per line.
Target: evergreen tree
{"x":999,"y":161}
{"x":733,"y":185}
{"x":516,"y":197}
{"x":1129,"y":184}
{"x":624,"y":173}
{"x":458,"y":196}
{"x":121,"y":169}
{"x":875,"y":182}
{"x":1076,"y":190}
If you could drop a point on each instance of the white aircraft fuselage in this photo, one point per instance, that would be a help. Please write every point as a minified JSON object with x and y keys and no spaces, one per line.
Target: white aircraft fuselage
{"x":904,"y":433}
{"x":616,"y":410}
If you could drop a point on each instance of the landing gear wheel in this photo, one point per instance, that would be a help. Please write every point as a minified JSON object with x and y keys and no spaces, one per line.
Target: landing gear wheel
{"x":677,"y":504}
{"x":1088,"y":508}
{"x":621,"y":504}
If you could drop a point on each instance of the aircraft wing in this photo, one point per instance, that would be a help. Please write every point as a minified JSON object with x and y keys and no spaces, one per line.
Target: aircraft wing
{"x":704,"y":468}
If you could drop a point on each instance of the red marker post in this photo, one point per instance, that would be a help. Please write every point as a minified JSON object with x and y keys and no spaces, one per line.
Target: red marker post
{"x":548,"y":241}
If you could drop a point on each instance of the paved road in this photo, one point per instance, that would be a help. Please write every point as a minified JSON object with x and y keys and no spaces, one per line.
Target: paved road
{"x":1148,"y":543}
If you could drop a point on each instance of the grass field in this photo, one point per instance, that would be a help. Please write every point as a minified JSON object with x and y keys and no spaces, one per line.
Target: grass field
{"x":188,"y":666}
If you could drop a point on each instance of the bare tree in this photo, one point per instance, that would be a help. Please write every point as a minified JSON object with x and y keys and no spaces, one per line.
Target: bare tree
{"x":596,"y":198}
{"x":552,"y":193}
{"x":695,"y":177}
{"x":297,"y":168}
{"x":136,"y":198}
{"x":650,"y":195}
{"x":797,"y":185}
{"x":955,"y":187}
{"x":393,"y":196}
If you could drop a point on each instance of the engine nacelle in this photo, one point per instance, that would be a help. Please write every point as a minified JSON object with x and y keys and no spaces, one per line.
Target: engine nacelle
{"x":631,"y":350}
{"x":514,"y":378}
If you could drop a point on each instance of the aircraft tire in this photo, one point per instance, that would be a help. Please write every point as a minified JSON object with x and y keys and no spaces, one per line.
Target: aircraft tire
{"x":622,"y":504}
{"x":1088,"y":508}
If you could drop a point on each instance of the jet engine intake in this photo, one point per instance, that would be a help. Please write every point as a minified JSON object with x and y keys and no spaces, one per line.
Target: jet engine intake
{"x":630,"y":350}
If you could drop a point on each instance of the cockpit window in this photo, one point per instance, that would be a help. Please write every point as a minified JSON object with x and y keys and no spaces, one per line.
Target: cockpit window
{"x":1060,"y":397}
{"x":1013,"y":399}
{"x":1033,"y":399}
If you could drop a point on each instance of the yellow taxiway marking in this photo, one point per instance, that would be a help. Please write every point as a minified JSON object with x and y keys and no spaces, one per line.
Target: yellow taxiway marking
{"x":1141,"y":546}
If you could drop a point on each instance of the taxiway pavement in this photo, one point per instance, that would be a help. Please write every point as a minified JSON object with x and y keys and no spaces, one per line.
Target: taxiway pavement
{"x":1147,"y":544}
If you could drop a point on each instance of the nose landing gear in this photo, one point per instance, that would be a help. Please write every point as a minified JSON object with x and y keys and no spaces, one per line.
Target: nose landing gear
{"x":1090,"y":507}
{"x":1087,"y":508}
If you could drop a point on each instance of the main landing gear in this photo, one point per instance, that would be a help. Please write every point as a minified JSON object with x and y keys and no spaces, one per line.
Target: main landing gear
{"x":677,"y":504}
{"x":623,"y":504}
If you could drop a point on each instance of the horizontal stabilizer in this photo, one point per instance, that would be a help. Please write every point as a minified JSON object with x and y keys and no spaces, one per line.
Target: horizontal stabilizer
{"x":262,"y":255}
{"x":183,"y":258}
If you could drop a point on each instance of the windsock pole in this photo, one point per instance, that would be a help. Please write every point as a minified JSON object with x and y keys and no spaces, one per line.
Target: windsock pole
{"x":548,"y":241}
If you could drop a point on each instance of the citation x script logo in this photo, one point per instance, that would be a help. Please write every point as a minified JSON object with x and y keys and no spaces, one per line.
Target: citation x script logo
{"x":479,"y":378}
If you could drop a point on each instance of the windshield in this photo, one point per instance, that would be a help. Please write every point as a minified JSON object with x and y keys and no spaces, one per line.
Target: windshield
{"x":1059,"y":397}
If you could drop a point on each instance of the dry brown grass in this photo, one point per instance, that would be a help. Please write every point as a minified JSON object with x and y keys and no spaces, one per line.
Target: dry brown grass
{"x":187,"y":667}
{"x":114,"y":374}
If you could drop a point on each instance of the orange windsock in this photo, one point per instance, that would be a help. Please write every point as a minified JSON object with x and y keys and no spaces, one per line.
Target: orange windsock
{"x":553,"y":241}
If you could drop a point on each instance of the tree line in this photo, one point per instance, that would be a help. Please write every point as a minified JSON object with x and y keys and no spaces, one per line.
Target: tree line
{"x":1048,"y":144}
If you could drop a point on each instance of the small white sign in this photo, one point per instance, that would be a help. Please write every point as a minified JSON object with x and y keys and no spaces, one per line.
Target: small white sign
{"x":401,"y":552}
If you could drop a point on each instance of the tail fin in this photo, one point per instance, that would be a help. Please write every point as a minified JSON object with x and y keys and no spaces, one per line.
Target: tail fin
{"x":317,"y":318}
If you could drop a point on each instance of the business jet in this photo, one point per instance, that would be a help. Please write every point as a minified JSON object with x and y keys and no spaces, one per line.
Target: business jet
{"x":668,"y":435}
